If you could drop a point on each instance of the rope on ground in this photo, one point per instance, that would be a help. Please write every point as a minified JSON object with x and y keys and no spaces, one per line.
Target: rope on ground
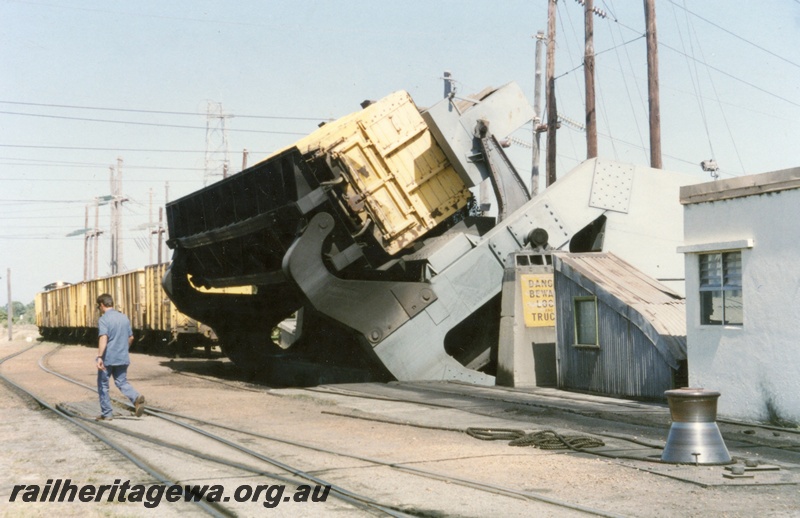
{"x":495,"y":434}
{"x":550,"y":440}
{"x":545,"y":440}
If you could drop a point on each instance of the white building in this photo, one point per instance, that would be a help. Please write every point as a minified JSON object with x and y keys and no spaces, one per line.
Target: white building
{"x":742,"y":254}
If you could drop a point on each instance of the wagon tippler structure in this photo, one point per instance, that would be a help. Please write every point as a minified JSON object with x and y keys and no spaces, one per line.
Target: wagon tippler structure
{"x":365,"y":229}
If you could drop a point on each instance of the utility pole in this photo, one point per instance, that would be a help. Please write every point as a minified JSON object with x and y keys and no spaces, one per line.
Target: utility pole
{"x":244,"y":159}
{"x":113,"y":226}
{"x":164,"y":234}
{"x":160,"y":231}
{"x":10,"y":305}
{"x":150,"y":226}
{"x":96,"y":234}
{"x":537,"y":114}
{"x":86,"y":245}
{"x":652,"y":84}
{"x":588,"y":73}
{"x":116,"y":217}
{"x":118,"y":201}
{"x":90,"y":255}
{"x":550,"y":92}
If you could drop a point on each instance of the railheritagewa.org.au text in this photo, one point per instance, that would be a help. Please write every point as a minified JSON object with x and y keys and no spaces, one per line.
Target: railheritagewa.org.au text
{"x":151,"y":496}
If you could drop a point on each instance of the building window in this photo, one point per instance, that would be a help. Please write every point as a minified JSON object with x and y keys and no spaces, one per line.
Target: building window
{"x":585,"y":321}
{"x":721,"y":289}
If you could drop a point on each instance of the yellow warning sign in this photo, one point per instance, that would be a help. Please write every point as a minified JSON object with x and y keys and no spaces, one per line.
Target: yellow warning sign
{"x":538,"y":299}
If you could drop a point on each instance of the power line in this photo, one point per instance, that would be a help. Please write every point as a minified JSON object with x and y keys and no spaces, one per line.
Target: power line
{"x":600,"y":53}
{"x":625,"y":81}
{"x":716,"y":94}
{"x":214,"y":21}
{"x":87,"y":180}
{"x":729,"y":75}
{"x":694,"y":76}
{"x":118,"y":149}
{"x":162,"y":112}
{"x":73,"y":214}
{"x":12,"y":201}
{"x":636,"y":146}
{"x":179,"y":126}
{"x":735,"y":35}
{"x":105,"y":166}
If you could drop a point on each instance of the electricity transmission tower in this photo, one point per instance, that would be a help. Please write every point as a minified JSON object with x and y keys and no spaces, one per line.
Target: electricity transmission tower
{"x":117,"y":199}
{"x":216,"y":160}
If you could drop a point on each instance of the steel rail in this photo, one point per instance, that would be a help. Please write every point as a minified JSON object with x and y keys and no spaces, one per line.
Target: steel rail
{"x":212,"y":509}
{"x":488,"y":488}
{"x":341,"y":493}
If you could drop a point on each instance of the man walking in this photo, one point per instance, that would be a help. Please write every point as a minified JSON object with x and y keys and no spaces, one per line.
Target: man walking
{"x":115,"y":337}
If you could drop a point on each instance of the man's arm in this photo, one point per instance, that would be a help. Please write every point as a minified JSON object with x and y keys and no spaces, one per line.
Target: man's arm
{"x":102,"y":342}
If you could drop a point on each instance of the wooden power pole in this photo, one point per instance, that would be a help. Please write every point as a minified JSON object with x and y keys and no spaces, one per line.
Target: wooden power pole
{"x":537,"y":114}
{"x":652,"y":84}
{"x":588,"y":73}
{"x":550,"y":92}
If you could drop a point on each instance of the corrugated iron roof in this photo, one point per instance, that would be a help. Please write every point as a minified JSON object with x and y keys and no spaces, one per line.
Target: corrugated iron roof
{"x":657,"y":310}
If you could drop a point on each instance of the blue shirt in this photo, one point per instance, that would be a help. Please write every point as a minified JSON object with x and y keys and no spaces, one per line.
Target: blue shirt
{"x":117,"y":328}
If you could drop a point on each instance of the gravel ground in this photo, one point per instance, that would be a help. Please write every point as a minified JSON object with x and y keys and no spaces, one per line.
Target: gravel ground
{"x":38,"y":447}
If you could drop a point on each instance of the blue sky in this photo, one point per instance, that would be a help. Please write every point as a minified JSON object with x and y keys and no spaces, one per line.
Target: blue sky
{"x":85,"y":82}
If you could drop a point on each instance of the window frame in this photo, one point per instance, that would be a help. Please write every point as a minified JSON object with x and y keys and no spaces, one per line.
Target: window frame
{"x":576,"y":338}
{"x":723,"y":285}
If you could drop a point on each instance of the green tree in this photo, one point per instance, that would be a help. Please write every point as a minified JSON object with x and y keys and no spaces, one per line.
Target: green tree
{"x":25,"y":314}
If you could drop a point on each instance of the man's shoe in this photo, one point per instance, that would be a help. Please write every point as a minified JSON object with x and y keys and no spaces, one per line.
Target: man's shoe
{"x":138,"y":406}
{"x":104,"y":418}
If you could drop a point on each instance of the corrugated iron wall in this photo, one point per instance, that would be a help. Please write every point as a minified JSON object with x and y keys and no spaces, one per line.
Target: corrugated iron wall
{"x":626,"y":363}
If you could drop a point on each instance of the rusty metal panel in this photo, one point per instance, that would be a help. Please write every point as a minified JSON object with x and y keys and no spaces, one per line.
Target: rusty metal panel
{"x":130,"y":296}
{"x":157,"y":305}
{"x":397,"y":174}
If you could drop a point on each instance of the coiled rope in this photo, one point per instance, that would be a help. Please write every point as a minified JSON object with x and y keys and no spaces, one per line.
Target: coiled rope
{"x":545,"y":440}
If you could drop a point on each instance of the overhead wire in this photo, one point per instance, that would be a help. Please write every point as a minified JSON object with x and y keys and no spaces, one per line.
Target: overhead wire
{"x":599,"y":89}
{"x":599,"y":54}
{"x":568,"y":47}
{"x":726,"y":74}
{"x":661,"y":43}
{"x":150,"y":124}
{"x":603,"y":111}
{"x":708,"y":66}
{"x":18,"y":201}
{"x":694,"y":76}
{"x":84,"y":180}
{"x":716,"y":95}
{"x":735,"y":35}
{"x":103,"y":166}
{"x":625,"y":80}
{"x":115,"y":149}
{"x":163,"y":112}
{"x":637,"y":146}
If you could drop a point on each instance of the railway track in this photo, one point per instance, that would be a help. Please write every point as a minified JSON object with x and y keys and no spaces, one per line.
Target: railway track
{"x":650,"y":419}
{"x":238,"y":443}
